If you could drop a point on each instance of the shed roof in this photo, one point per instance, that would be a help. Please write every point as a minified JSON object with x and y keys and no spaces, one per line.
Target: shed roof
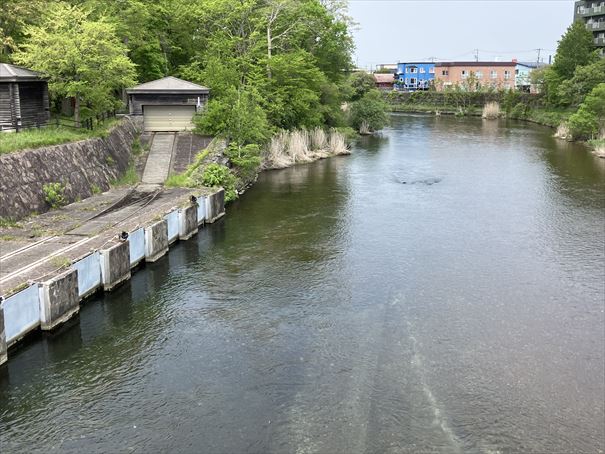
{"x":13,"y":73}
{"x":384,"y":78}
{"x":169,"y":85}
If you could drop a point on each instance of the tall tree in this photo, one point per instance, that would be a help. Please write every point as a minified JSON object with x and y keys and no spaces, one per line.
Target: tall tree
{"x":82,"y":58}
{"x":576,"y":48}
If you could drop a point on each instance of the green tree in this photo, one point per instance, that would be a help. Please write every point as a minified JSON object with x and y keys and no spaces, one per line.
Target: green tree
{"x":369,"y":110}
{"x":576,"y":48}
{"x":361,"y":83}
{"x":237,"y":117}
{"x":590,"y":117}
{"x":573,"y":91}
{"x":82,"y":58}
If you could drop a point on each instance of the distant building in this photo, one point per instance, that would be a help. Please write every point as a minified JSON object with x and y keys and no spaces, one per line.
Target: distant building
{"x":415,"y":75}
{"x":592,"y":12}
{"x":523,"y":76}
{"x":384,"y":81}
{"x":23,"y":98}
{"x":387,"y":68}
{"x":474,"y":75}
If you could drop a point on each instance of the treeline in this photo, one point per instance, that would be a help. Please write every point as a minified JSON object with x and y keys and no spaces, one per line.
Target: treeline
{"x":271,"y":64}
{"x":576,"y":80}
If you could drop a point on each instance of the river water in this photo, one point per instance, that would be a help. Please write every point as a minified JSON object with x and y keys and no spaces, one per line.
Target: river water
{"x":440,"y":290}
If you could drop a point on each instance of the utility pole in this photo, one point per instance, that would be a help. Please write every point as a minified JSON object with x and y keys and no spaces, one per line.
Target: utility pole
{"x":538,"y":60}
{"x":476,"y":54}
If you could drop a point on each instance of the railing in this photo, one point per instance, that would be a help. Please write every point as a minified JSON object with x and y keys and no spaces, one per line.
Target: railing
{"x":89,"y":123}
{"x":596,"y":26}
{"x":590,"y":11}
{"x":599,"y":41}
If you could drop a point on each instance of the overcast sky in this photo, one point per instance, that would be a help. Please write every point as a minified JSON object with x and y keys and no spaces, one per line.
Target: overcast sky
{"x":398,"y":30}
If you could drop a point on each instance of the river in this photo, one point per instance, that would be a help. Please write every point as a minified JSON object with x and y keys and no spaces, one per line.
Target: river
{"x":440,"y":290}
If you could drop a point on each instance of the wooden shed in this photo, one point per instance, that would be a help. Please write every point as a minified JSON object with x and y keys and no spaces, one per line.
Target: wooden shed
{"x":167,"y":104}
{"x":23,"y":98}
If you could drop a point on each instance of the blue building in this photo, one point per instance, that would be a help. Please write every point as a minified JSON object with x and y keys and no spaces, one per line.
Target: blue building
{"x":415,"y":75}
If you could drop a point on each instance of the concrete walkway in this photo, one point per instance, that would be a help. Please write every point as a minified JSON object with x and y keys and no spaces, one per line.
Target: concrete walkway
{"x":158,"y":161}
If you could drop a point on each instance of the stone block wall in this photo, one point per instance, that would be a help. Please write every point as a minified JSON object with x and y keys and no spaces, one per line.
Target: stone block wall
{"x":79,"y":166}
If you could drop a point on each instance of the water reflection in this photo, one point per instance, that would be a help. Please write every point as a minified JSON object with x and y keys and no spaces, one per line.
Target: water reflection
{"x":336,"y":309}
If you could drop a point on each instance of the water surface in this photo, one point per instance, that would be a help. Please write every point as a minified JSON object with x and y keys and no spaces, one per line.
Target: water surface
{"x":440,"y":290}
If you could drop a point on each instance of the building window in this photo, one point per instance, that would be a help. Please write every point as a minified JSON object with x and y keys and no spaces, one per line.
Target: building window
{"x":493,"y":74}
{"x":413,"y":70}
{"x":464,"y":74}
{"x":431,"y":70}
{"x":506,"y":75}
{"x":445,"y":72}
{"x":413,"y":81}
{"x":422,"y":70}
{"x":479,"y":74}
{"x":516,"y":72}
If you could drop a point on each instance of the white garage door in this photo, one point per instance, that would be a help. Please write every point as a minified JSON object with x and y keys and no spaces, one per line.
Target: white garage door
{"x":168,"y":118}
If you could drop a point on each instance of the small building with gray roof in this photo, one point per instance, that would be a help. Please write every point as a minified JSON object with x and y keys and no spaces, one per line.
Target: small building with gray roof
{"x":23,"y":98}
{"x":167,"y":104}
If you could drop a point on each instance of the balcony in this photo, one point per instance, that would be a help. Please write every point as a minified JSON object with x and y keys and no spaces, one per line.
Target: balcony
{"x":599,"y":41}
{"x":587,"y":12}
{"x":596,"y":26}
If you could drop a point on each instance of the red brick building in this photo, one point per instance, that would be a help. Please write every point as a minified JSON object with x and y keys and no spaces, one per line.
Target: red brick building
{"x":475,"y":75}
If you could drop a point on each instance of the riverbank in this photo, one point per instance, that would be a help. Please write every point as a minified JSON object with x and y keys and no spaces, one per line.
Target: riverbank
{"x":52,"y":262}
{"x":513,"y":106}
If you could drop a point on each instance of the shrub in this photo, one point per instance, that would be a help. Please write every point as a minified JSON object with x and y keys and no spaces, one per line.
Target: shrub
{"x":54,"y":194}
{"x":218,"y":175}
{"x":371,"y":109}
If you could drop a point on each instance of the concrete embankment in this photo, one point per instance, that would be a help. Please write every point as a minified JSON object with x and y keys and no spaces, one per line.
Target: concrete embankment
{"x":82,"y":168}
{"x":52,"y":263}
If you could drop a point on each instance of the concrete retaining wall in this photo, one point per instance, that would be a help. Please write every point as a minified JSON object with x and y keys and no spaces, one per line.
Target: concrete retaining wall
{"x":215,"y":206}
{"x":59,"y":299}
{"x":136,"y":241}
{"x":21,"y":314}
{"x":78,"y":166}
{"x":187,"y":222}
{"x":115,"y":265}
{"x":89,"y":274}
{"x":156,"y":241}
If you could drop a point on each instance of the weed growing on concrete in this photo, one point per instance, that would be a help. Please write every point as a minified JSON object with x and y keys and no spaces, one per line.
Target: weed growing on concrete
{"x":95,"y":189}
{"x":9,"y":223}
{"x":60,"y":262}
{"x":54,"y":194}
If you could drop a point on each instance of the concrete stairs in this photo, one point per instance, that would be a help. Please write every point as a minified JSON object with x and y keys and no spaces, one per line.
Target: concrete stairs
{"x":159,"y":159}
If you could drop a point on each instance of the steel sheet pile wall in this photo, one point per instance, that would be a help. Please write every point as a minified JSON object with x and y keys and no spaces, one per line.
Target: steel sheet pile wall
{"x":21,"y":313}
{"x":137,"y":246}
{"x":172,"y":219}
{"x":89,"y":274}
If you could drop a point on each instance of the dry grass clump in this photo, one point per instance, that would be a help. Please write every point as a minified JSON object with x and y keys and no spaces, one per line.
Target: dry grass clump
{"x":491,"y":111}
{"x":364,"y":128}
{"x":563,"y":132}
{"x":287,"y":148}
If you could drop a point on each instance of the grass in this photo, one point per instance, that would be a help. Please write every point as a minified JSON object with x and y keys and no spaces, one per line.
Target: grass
{"x":129,"y":178}
{"x":9,"y":223}
{"x":177,"y":180}
{"x":51,"y":135}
